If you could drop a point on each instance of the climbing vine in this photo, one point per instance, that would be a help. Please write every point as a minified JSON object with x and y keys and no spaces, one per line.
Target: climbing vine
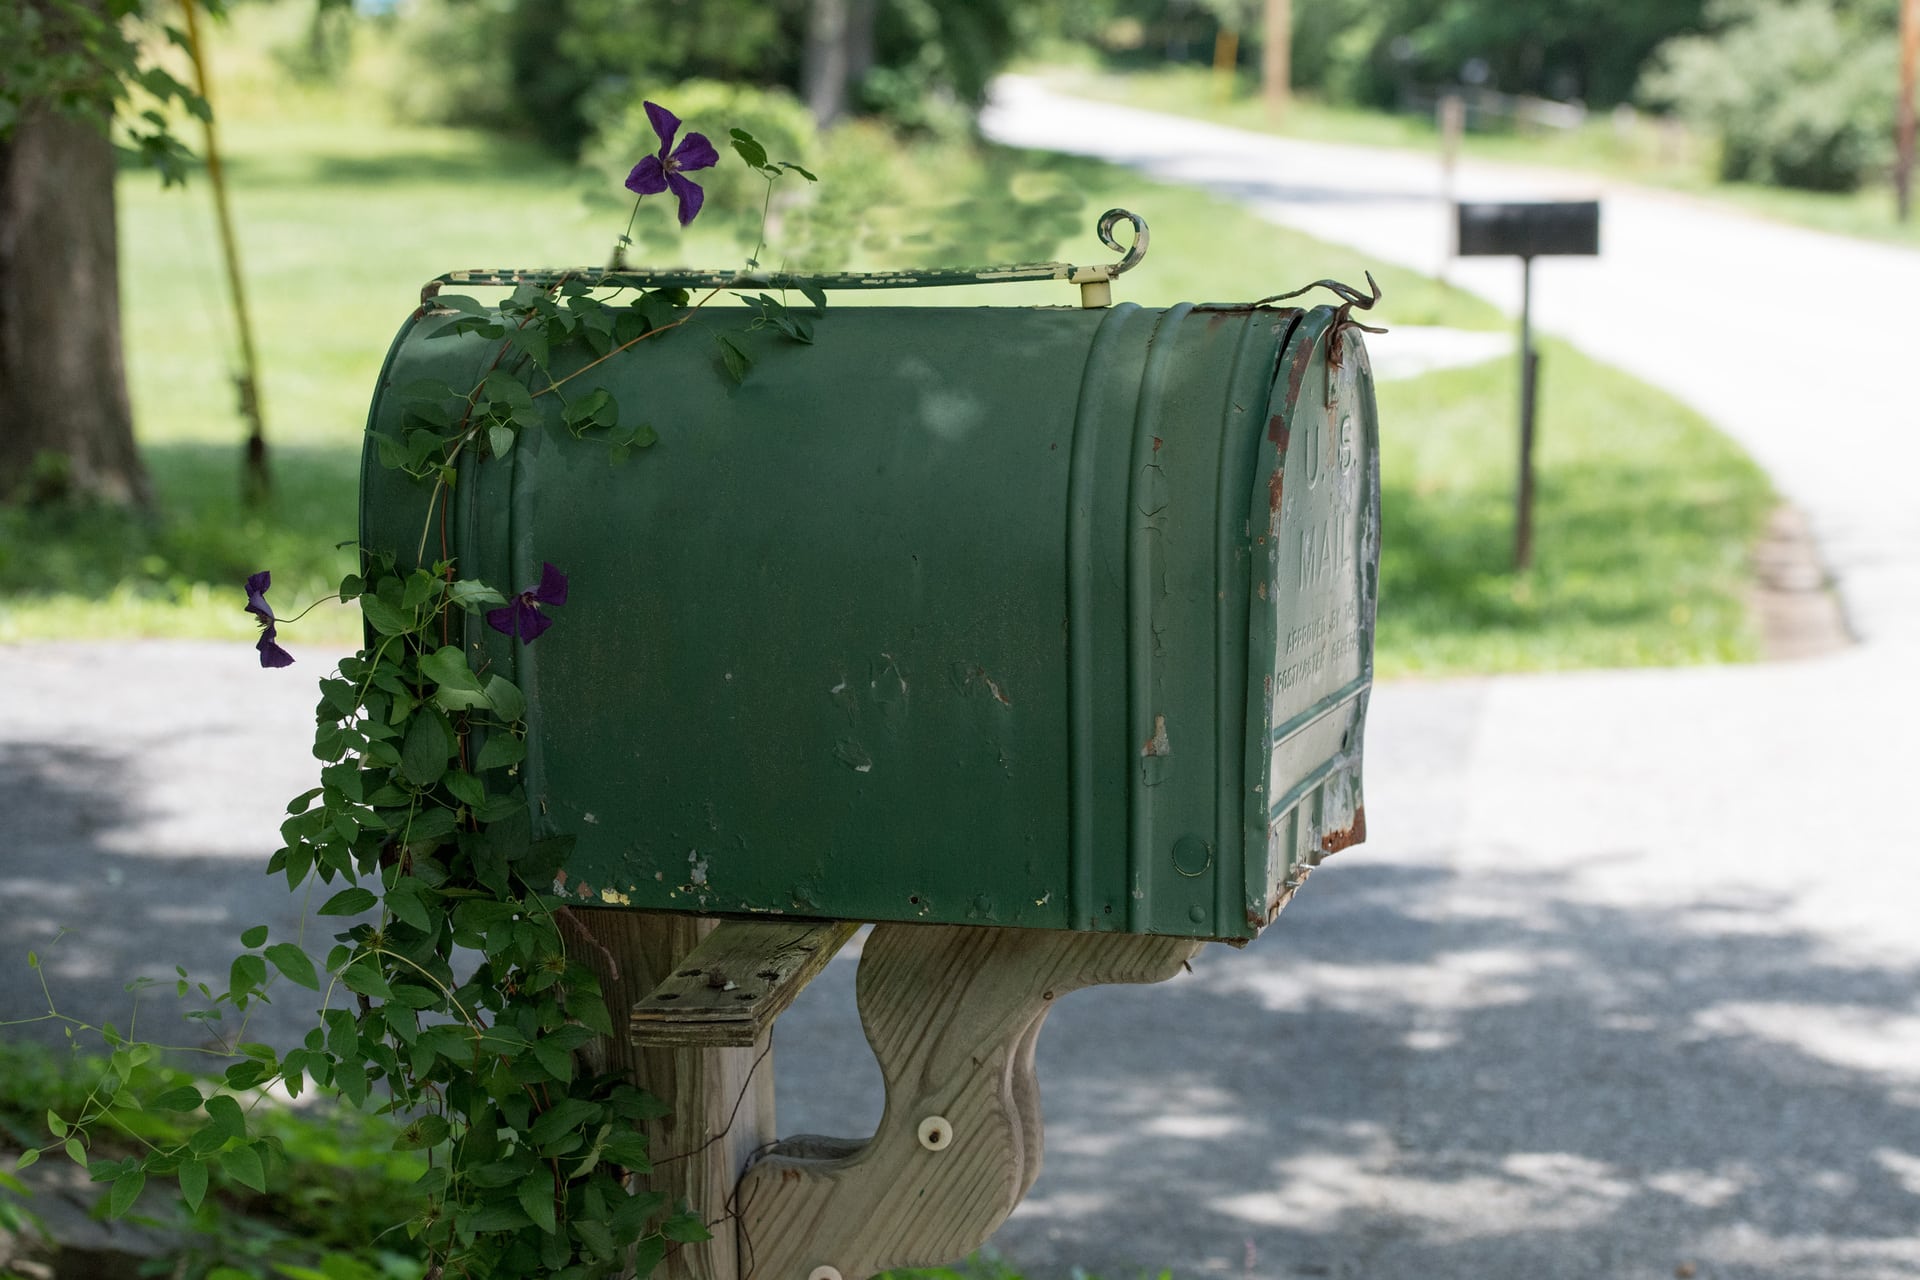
{"x":451,"y":997}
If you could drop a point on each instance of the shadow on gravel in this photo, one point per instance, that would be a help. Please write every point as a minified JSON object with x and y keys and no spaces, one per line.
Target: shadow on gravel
{"x":1389,"y":1086}
{"x":100,"y":913}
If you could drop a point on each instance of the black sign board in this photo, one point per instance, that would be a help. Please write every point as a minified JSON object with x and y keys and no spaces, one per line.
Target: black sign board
{"x":1528,"y":230}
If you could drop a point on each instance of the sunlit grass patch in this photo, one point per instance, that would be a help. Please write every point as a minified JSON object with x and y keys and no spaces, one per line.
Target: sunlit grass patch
{"x":1643,"y":521}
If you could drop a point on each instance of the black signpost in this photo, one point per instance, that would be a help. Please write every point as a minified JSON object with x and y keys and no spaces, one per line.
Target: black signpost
{"x":1527,"y":230}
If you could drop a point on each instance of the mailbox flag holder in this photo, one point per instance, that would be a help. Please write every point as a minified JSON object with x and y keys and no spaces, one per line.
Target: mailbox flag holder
{"x":1527,"y":230}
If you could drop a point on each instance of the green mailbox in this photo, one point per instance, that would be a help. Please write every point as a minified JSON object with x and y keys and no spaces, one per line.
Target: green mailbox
{"x":1059,"y":618}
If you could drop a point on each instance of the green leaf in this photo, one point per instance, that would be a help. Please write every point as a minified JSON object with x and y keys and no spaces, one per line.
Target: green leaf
{"x":247,"y":975}
{"x":453,"y":302}
{"x":254,"y":936}
{"x":427,"y":1131}
{"x":295,"y":964}
{"x":591,"y":409}
{"x":503,"y":387}
{"x":563,"y":1117}
{"x":816,"y":295}
{"x":343,"y":1037}
{"x":532,"y":339}
{"x":365,"y":978}
{"x":808,"y":174}
{"x":126,"y":1189}
{"x":501,"y":750}
{"x":504,"y":696}
{"x":447,"y":667}
{"x":184,"y":1098}
{"x":55,"y":1124}
{"x":748,"y":148}
{"x":596,"y":1236}
{"x":348,"y":902}
{"x":423,"y":754}
{"x":733,"y":360}
{"x":242,"y":1164}
{"x":556,"y":1059}
{"x":76,"y":1152}
{"x":470,"y":594}
{"x":649,"y":1253}
{"x":686,"y":1228}
{"x":496,"y":1217}
{"x":339,"y":695}
{"x":407,"y":904}
{"x":26,"y":1159}
{"x":242,"y":1076}
{"x":535,"y":1194}
{"x":500,"y":440}
{"x":466,"y":788}
{"x":385,"y":618}
{"x":629,"y":1150}
{"x":429,"y":825}
{"x":414,"y":996}
{"x":193,"y":1184}
{"x":421,"y":588}
{"x":225,"y":1118}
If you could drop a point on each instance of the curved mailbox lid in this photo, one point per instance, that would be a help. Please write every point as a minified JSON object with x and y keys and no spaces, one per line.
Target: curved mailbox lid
{"x":958,"y":615}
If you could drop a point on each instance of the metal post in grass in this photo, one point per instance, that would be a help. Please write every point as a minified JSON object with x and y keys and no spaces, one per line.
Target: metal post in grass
{"x":1909,"y":56}
{"x":1527,"y":230}
{"x":247,"y":382}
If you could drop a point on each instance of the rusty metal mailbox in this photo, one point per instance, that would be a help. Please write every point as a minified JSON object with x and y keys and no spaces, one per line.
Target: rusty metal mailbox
{"x":1046,"y":617}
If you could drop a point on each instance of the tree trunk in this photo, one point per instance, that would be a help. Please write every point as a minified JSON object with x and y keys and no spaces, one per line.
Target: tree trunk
{"x":1276,"y":58}
{"x":838,"y":52}
{"x":823,"y":70}
{"x":65,"y":422}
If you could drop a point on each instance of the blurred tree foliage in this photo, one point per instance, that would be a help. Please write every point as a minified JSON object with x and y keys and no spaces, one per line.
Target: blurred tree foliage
{"x":546,"y":66}
{"x":1372,"y":52}
{"x":1799,"y":92}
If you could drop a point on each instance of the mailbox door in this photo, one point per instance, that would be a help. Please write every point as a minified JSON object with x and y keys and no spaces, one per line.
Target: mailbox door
{"x":957,"y":615}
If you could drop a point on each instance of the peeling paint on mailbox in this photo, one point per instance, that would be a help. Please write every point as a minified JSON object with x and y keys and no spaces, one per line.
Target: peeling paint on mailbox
{"x":1067,"y":612}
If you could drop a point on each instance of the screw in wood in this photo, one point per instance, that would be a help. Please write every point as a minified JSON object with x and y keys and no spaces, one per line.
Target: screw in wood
{"x":935,"y":1133}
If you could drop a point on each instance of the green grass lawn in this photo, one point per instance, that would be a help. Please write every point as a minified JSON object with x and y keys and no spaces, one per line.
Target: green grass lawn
{"x":1643,"y":152}
{"x":343,"y":215}
{"x":1640,"y":536}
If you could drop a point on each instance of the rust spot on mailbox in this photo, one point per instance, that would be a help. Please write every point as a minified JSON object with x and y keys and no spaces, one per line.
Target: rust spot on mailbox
{"x":1335,"y":841}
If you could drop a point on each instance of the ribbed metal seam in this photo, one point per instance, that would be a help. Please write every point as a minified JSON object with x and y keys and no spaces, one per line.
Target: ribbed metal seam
{"x":1232,"y":592}
{"x":1082,"y":741}
{"x":1143,"y":552}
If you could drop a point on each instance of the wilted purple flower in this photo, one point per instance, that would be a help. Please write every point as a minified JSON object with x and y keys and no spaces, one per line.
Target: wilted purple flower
{"x":521,"y":615}
{"x":663,"y":171}
{"x":271,"y":654}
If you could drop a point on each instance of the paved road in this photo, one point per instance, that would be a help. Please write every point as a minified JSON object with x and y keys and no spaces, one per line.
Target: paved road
{"x":1623,"y":983}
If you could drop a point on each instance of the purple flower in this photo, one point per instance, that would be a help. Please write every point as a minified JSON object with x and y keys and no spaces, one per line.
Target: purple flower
{"x":521,"y":615}
{"x":271,"y":654}
{"x":663,"y":171}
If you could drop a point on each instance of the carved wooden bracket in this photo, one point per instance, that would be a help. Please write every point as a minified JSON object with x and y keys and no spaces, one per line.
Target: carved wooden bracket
{"x":953,"y":1014}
